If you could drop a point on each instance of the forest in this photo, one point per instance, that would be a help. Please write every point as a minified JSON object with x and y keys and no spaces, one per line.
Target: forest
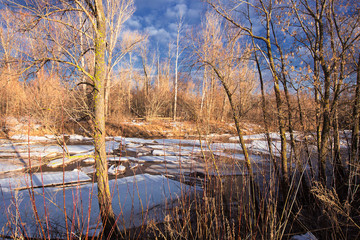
{"x":290,"y":68}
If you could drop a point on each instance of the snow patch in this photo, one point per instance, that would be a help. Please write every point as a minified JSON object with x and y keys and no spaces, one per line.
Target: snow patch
{"x":115,"y":170}
{"x":306,"y":236}
{"x":43,"y":179}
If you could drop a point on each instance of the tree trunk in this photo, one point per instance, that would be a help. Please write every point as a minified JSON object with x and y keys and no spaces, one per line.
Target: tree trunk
{"x":325,"y":133}
{"x":130,"y":84}
{"x":107,"y":92}
{"x":107,"y":215}
{"x":203,"y":94}
{"x":355,"y":134}
{"x":176,"y":77}
{"x":280,"y":113}
{"x":263,"y":107}
{"x":301,"y":117}
{"x":356,"y":115}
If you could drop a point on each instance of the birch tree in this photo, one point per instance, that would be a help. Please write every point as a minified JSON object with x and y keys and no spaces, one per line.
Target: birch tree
{"x":177,"y":55}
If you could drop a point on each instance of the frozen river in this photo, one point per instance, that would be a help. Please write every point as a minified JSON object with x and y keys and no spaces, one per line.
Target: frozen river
{"x":145,"y":176}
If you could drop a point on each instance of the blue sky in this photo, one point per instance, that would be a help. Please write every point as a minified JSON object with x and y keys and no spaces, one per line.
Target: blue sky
{"x":158,"y":18}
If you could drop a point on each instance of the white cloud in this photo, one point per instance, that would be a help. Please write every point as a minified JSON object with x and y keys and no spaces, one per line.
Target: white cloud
{"x":160,"y":34}
{"x":193,"y":13}
{"x":182,"y":9}
{"x":176,"y":11}
{"x":150,"y":19}
{"x":134,"y":22}
{"x":173,"y":27}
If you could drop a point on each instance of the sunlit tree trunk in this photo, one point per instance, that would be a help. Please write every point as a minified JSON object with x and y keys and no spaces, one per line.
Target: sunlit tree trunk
{"x":203,"y":92}
{"x":104,"y":197}
{"x":176,"y":67}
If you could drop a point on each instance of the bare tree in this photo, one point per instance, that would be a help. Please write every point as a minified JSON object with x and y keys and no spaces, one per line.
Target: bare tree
{"x":222,"y":57}
{"x":117,"y":12}
{"x":265,"y":12}
{"x":328,"y":34}
{"x":177,"y":55}
{"x":64,"y":49}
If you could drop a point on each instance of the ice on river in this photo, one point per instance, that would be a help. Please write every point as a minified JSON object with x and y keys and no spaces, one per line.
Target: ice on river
{"x":136,"y":201}
{"x":273,"y":136}
{"x":31,"y":138}
{"x":42,"y":179}
{"x":161,"y":159}
{"x":241,"y":157}
{"x":167,"y":141}
{"x":8,"y":167}
{"x":261,"y":146}
{"x":43,"y":150}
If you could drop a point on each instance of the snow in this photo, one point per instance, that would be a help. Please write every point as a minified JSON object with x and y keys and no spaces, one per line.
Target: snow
{"x":138,"y":151}
{"x":273,"y":136}
{"x":7,"y":167}
{"x":261,"y":146}
{"x":136,"y":200}
{"x":43,"y":179}
{"x":225,"y":146}
{"x":160,"y":159}
{"x":25,"y":155}
{"x":118,"y":159}
{"x":241,"y":157}
{"x":89,"y":160}
{"x":141,"y":141}
{"x":133,"y":145}
{"x":249,"y":137}
{"x":47,"y":138}
{"x":120,"y":139}
{"x":306,"y":236}
{"x":159,"y":146}
{"x":162,"y":153}
{"x":135,"y":165}
{"x":175,"y":169}
{"x":193,"y":149}
{"x":79,"y":138}
{"x":115,"y":170}
{"x":52,"y":150}
{"x":64,"y":161}
{"x":166,"y":141}
{"x":111,"y":146}
{"x":89,"y":169}
{"x":30,"y":138}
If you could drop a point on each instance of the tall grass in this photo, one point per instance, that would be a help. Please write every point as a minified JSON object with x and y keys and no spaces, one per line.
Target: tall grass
{"x":223,"y":204}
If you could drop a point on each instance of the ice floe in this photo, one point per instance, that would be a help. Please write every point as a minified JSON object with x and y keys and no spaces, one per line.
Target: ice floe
{"x":42,"y":179}
{"x":115,"y":170}
{"x":136,"y":201}
{"x":8,"y":167}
